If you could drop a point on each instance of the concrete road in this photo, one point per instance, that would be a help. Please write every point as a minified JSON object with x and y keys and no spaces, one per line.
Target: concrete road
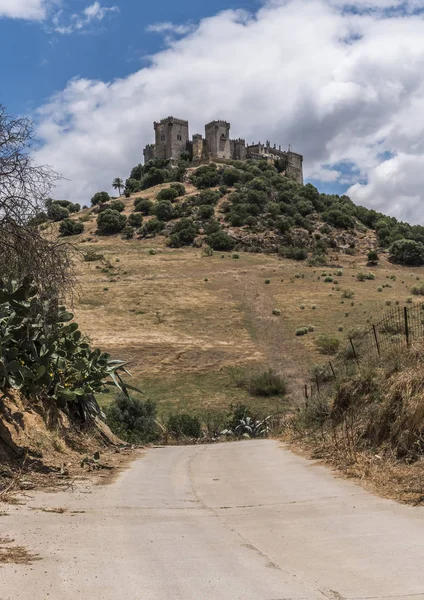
{"x":243,"y":521}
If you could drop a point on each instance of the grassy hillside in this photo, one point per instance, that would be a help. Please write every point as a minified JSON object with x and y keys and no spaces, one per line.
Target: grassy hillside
{"x":195,"y":323}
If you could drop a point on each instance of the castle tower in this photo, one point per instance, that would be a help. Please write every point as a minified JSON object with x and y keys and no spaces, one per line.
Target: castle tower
{"x":171,"y":138}
{"x":217,"y":136}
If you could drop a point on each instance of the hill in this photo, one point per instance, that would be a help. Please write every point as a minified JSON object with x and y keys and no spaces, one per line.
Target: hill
{"x":196,"y":323}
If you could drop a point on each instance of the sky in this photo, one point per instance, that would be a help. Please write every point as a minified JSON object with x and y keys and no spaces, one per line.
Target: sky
{"x":342,"y":82}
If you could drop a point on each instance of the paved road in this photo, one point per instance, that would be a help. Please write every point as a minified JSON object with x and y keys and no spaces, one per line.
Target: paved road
{"x":244,"y":521}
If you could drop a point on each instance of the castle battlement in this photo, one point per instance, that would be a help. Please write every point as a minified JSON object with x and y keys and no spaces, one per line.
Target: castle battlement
{"x":218,"y":123}
{"x":170,"y":121}
{"x":172,"y":140}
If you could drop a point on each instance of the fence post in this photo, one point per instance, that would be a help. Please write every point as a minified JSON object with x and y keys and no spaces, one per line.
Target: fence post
{"x":306,"y":391}
{"x":332,"y":370}
{"x":377,"y":343}
{"x":405,"y":313}
{"x":354,"y":351}
{"x":317,"y":380}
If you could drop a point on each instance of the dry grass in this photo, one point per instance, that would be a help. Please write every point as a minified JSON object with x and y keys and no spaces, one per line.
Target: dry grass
{"x":371,"y":426}
{"x":178,"y":316}
{"x":15,"y":554}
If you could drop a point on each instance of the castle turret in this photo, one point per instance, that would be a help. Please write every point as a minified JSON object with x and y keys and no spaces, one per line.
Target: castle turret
{"x":171,"y":138}
{"x":217,"y":136}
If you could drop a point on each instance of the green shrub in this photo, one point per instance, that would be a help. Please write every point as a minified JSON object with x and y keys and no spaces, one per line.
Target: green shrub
{"x":143,"y":206}
{"x":328,"y":279}
{"x":152,"y":227}
{"x":328,"y":344}
{"x":373,"y":257}
{"x":100,"y":198}
{"x":407,"y":252}
{"x":164,"y":210}
{"x":152,"y":252}
{"x":117,"y":205}
{"x":348,"y":294}
{"x":267,"y":384}
{"x":179,"y":188}
{"x":167,"y":194}
{"x":128,"y":232}
{"x":205,"y":212}
{"x":235,"y":256}
{"x":220,"y":241}
{"x":276,"y":312}
{"x":301,"y":331}
{"x":110,"y":222}
{"x":133,"y":420}
{"x":70,"y":227}
{"x":135,"y":219}
{"x":183,"y":233}
{"x":184,"y":425}
{"x":92,"y":256}
{"x":418,"y":290}
{"x":55,"y":212}
{"x":311,"y":328}
{"x":363,"y":276}
{"x":267,"y":281}
{"x":409,"y":300}
{"x":379,"y":289}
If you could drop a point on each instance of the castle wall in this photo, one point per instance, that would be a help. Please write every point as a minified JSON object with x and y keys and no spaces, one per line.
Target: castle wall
{"x":295,"y":166}
{"x":217,"y":136}
{"x":198,"y":147}
{"x":149,"y":152}
{"x":238,"y":149}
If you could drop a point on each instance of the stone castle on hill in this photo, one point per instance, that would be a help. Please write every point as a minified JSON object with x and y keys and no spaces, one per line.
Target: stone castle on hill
{"x":172,"y":140}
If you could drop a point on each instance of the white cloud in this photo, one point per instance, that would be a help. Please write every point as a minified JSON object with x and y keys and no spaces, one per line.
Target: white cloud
{"x":24,"y":9}
{"x":344,"y":89}
{"x":167,"y":27}
{"x":79,"y":21}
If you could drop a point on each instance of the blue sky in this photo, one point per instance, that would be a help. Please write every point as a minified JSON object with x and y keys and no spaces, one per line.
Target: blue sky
{"x":42,"y":61}
{"x":342,"y":82}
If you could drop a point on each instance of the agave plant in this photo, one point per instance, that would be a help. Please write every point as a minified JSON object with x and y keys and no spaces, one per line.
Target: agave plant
{"x":249,"y":427}
{"x":44,"y":352}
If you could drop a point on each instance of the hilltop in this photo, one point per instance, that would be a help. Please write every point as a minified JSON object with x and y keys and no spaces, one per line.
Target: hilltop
{"x":195,"y":322}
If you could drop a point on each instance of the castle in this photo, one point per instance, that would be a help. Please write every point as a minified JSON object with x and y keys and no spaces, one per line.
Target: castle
{"x":172,"y":140}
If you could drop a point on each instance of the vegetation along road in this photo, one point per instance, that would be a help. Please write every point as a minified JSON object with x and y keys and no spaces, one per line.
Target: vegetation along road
{"x":247,"y":520}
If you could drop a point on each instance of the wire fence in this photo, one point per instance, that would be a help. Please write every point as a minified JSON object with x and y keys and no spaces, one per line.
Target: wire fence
{"x":399,"y":326}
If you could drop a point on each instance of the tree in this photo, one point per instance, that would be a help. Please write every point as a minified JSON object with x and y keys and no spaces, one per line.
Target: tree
{"x":70,"y":227}
{"x":372,"y":257}
{"x":117,"y":205}
{"x":164,"y":210}
{"x":27,"y":255}
{"x":118,"y":184}
{"x":100,"y":198}
{"x":407,"y":252}
{"x":110,"y":222}
{"x":55,"y":212}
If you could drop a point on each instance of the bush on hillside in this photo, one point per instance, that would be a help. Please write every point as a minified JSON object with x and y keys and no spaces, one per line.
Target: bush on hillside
{"x":135,"y":219}
{"x":128,"y":232}
{"x":167,"y":194}
{"x":328,"y":344}
{"x":69,"y":227}
{"x":220,"y":241}
{"x":100,"y":198}
{"x":183,"y":233}
{"x":372,"y":257}
{"x":132,"y":186}
{"x":205,"y":212}
{"x":154,"y":177}
{"x":179,"y":187}
{"x":407,"y":252}
{"x":143,"y":205}
{"x":55,"y":212}
{"x":152,"y":227}
{"x":110,"y":222}
{"x":268,"y":383}
{"x":134,"y":421}
{"x":164,"y":210}
{"x":117,"y":205}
